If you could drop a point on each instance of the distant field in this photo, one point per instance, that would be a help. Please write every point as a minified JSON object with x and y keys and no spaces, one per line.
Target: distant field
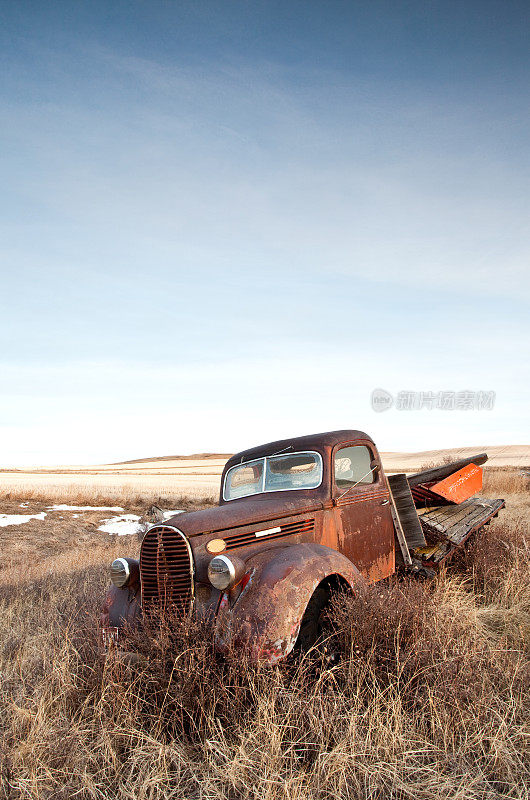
{"x":197,"y":476}
{"x":513,"y":455}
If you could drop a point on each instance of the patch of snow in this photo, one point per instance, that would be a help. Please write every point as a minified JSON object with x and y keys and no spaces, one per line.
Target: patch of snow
{"x":75,"y":516}
{"x":18,"y":519}
{"x":85,"y":508}
{"x":126,"y":525}
{"x":169,"y":514}
{"x":24,"y":505}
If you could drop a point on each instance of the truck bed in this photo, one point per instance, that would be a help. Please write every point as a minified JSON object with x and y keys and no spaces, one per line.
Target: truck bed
{"x":448,"y":527}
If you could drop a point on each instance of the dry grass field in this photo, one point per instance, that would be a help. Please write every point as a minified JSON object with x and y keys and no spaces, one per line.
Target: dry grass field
{"x":428,"y":698}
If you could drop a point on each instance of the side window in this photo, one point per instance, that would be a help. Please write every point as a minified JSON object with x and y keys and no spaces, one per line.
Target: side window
{"x":352,"y":465}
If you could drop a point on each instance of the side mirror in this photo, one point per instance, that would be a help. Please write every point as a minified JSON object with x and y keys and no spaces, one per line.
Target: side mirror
{"x":374,"y":466}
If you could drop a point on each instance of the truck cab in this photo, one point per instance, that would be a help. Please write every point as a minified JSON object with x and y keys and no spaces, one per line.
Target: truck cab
{"x":336,"y":478}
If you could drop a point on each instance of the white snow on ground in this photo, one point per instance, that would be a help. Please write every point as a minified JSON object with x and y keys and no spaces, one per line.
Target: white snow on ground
{"x":129,"y":524}
{"x":18,"y":519}
{"x":24,"y":505}
{"x":125,"y":525}
{"x":85,"y":508}
{"x":168,"y":514}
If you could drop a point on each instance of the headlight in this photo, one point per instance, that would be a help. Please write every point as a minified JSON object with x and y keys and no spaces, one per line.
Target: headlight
{"x":120,"y":572}
{"x":222,"y":572}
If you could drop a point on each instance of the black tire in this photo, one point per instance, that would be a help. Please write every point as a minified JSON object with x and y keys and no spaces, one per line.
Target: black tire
{"x":314,"y":625}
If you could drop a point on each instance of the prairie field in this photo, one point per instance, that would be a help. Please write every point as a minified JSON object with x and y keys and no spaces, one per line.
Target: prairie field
{"x":197,"y":476}
{"x":426,"y":696}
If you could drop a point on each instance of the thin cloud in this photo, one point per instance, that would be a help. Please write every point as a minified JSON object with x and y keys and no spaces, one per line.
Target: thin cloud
{"x":205,"y":257}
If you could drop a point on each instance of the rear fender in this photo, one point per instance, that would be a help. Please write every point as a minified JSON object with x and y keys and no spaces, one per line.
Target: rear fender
{"x":265,"y":619}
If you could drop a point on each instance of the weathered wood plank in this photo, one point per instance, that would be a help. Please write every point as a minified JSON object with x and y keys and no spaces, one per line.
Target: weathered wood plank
{"x":406,"y":558}
{"x":455,"y":523}
{"x":406,"y":510}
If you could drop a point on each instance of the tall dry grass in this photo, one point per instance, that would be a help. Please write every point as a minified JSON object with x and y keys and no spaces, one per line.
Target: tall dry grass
{"x":427,"y":696}
{"x":506,"y":479}
{"x":129,"y":497}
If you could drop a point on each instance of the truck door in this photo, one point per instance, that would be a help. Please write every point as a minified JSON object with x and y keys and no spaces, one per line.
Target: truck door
{"x":364,"y":516}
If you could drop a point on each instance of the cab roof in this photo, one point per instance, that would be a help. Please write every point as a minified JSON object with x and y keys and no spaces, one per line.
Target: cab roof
{"x":314,"y":441}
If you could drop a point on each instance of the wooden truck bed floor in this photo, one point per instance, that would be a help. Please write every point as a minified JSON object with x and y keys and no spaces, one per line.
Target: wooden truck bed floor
{"x":448,"y":527}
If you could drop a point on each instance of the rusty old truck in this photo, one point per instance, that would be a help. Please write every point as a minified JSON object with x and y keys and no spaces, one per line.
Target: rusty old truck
{"x":297,"y":519}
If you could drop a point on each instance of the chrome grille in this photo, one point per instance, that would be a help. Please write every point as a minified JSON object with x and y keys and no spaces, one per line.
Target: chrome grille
{"x":166,"y":570}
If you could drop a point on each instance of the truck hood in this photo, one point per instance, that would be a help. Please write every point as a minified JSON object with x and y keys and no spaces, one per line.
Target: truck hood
{"x":247,"y":511}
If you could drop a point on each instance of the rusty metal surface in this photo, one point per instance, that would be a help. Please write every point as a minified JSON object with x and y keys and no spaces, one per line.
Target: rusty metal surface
{"x":363,"y":518}
{"x":121,"y":607}
{"x":423,"y":497}
{"x":265,"y":619}
{"x":166,"y":569}
{"x":244,"y":511}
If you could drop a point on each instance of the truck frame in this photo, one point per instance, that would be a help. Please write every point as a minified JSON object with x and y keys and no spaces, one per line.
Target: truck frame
{"x":296,"y":520}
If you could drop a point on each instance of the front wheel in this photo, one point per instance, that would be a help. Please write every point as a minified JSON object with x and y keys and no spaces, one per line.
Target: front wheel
{"x":315,"y":625}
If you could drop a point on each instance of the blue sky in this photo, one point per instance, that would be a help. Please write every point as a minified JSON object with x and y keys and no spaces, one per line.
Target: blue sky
{"x":224,"y":223}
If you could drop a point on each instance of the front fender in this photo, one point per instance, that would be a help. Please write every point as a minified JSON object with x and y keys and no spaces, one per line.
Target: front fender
{"x":121,"y":607}
{"x":265,"y":619}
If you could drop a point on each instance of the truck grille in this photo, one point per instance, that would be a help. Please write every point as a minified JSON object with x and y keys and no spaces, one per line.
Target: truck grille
{"x":166,"y":571}
{"x":242,"y":539}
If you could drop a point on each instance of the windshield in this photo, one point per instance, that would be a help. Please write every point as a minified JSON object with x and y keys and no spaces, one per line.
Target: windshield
{"x":273,"y":474}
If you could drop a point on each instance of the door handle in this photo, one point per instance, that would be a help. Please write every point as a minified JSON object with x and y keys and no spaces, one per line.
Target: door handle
{"x":385,"y":502}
